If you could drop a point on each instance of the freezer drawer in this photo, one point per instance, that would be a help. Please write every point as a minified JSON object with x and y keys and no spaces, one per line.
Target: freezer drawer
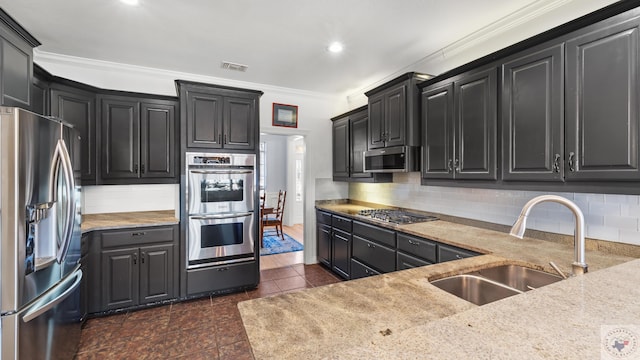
{"x":49,"y":328}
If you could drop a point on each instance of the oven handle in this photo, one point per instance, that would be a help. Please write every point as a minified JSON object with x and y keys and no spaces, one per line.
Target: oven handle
{"x":214,"y":217}
{"x":221,"y":171}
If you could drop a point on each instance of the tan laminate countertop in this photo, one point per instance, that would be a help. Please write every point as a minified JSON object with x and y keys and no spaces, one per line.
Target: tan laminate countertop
{"x":400,"y":315}
{"x":91,"y":222}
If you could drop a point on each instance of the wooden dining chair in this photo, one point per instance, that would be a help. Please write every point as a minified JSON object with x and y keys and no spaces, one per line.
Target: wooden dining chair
{"x":274,"y":218}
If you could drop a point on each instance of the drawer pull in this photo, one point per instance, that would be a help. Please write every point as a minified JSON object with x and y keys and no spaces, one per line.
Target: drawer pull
{"x":223,"y":269}
{"x":458,"y":256}
{"x":138,"y":233}
{"x":371,"y":246}
{"x":414,"y":242}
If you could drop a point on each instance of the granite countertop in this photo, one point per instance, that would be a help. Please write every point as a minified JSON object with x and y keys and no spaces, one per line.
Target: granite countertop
{"x":401,"y":315}
{"x":92,"y":222}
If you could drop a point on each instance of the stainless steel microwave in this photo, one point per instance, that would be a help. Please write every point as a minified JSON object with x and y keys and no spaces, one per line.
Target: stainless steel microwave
{"x":392,"y":159}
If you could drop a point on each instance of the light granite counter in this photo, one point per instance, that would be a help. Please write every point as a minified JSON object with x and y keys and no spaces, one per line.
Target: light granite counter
{"x":92,"y":222}
{"x":400,"y":315}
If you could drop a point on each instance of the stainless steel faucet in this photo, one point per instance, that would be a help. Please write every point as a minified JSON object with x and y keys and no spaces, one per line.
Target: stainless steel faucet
{"x":579,"y":265}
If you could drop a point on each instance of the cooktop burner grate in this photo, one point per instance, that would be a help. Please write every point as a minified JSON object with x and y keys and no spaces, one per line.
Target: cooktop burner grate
{"x":396,"y":216}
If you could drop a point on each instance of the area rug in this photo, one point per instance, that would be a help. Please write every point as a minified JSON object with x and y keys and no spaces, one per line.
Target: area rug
{"x":273,"y":244}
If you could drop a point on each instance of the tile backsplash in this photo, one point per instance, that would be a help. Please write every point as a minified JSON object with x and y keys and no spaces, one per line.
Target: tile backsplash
{"x":607,"y":217}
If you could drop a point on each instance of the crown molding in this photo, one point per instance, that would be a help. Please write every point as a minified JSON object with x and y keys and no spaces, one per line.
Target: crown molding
{"x":504,"y":25}
{"x":109,"y":66}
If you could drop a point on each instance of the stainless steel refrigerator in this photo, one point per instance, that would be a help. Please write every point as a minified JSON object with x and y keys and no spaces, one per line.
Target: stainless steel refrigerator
{"x":39,"y":237}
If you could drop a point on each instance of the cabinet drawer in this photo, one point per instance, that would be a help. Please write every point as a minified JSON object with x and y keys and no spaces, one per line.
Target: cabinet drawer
{"x":448,"y":253}
{"x":422,"y":248}
{"x":341,"y":223}
{"x":323,"y":217}
{"x":373,"y":254}
{"x":375,"y":233}
{"x":360,"y":270}
{"x":405,"y":261}
{"x":137,"y":236}
{"x":218,"y":278}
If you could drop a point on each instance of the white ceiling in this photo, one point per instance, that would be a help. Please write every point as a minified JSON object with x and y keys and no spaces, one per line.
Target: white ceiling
{"x":282,"y":41}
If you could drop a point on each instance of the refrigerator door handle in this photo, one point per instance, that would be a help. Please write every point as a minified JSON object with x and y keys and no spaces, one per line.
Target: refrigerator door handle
{"x":61,"y":158}
{"x":40,"y":307}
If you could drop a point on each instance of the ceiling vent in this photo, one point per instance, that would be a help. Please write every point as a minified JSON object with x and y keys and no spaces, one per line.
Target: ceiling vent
{"x":234,"y":66}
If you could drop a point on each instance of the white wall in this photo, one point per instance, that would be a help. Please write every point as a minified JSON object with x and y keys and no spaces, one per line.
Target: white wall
{"x":276,"y":162}
{"x":122,"y":198}
{"x":607,"y":217}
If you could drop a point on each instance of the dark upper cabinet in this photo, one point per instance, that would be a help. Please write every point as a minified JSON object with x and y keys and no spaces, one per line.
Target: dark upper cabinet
{"x":158,"y":147}
{"x":358,"y":124}
{"x":137,"y":140}
{"x":16,"y":63}
{"x":475,"y":117}
{"x":532,"y":100}
{"x":437,"y":114}
{"x":119,"y":138}
{"x":78,"y":107}
{"x":602,"y":115}
{"x":239,"y":123}
{"x":341,"y":153}
{"x":218,"y":117}
{"x":459,"y":121}
{"x":349,"y":144}
{"x":394,"y":118}
{"x":40,"y":92}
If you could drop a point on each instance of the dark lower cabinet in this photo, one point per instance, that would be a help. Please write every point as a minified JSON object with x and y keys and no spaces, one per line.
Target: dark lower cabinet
{"x":449,"y":253}
{"x":120,"y":278}
{"x":221,"y":278}
{"x":373,"y":254}
{"x":341,"y":253}
{"x":404,"y":261}
{"x":360,"y":270}
{"x":355,"y":249}
{"x":323,"y":236}
{"x":131,"y":268}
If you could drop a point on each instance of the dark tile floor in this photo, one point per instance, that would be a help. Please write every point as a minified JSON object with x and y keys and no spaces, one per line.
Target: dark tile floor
{"x":206,"y":328}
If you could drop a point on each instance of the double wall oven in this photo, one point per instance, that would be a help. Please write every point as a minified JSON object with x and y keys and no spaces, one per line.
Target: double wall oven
{"x":220,"y":206}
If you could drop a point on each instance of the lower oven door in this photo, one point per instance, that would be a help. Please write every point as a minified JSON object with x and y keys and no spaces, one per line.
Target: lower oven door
{"x":220,"y":239}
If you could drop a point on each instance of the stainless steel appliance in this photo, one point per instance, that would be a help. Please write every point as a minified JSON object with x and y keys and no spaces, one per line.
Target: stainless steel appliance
{"x":392,"y":159}
{"x":395,"y":216}
{"x":40,"y":237}
{"x":220,"y":205}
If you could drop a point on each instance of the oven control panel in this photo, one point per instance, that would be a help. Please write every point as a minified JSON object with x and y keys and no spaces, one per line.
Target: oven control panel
{"x":223,"y":160}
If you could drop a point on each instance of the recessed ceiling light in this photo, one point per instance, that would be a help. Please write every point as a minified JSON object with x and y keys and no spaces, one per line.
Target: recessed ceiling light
{"x":130,"y":2}
{"x":335,"y":47}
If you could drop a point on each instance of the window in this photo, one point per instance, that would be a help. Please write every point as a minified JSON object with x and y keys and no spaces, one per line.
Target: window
{"x":263,"y":168}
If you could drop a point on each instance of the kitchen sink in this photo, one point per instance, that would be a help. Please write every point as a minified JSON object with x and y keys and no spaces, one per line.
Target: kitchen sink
{"x":518,"y":277}
{"x":491,"y":284}
{"x":475,"y":289}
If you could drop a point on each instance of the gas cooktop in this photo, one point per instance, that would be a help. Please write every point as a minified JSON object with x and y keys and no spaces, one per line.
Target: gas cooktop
{"x":395,"y":216}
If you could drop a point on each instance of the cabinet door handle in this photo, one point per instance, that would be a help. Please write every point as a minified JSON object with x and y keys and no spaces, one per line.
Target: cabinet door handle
{"x":135,"y":168}
{"x":456,"y":165}
{"x":414,"y":243}
{"x":371,"y":246}
{"x":225,"y":138}
{"x":142,"y":168}
{"x":572,"y":161}
{"x":449,"y":166}
{"x":556,"y":163}
{"x":219,"y":138}
{"x":142,"y":258}
{"x":135,"y":259}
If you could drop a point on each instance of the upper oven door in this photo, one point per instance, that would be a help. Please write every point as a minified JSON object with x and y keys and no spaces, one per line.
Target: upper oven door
{"x":220,"y":190}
